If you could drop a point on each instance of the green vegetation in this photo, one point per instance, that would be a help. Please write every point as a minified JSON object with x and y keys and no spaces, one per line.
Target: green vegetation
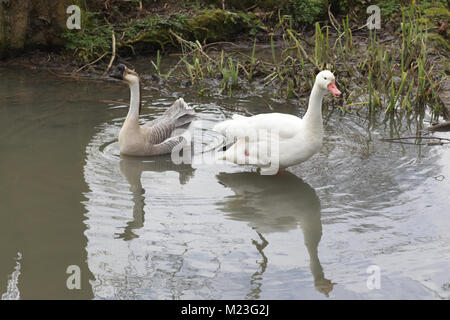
{"x":395,"y":71}
{"x":308,"y":11}
{"x":92,"y":41}
{"x":393,"y":76}
{"x":154,"y":32}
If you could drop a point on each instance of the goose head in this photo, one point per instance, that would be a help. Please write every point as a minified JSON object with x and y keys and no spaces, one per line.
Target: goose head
{"x":325,"y":81}
{"x":125,"y":74}
{"x":132,"y":79}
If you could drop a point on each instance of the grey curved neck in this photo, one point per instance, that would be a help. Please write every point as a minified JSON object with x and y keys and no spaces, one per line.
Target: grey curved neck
{"x":135,"y":100}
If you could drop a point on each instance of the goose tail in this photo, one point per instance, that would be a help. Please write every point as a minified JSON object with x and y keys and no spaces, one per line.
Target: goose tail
{"x":223,"y":127}
{"x":180,"y":112}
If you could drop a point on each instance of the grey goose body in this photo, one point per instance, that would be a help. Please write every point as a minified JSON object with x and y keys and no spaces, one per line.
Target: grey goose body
{"x":156,"y":137}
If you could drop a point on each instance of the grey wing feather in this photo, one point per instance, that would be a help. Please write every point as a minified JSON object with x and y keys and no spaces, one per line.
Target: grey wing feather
{"x":168,"y":145}
{"x":160,"y":129}
{"x":160,"y":132}
{"x":179,"y":108}
{"x":183,"y":120}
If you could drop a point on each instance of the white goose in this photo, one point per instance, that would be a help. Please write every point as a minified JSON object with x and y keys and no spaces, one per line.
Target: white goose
{"x":157,"y":136}
{"x":285,"y":139}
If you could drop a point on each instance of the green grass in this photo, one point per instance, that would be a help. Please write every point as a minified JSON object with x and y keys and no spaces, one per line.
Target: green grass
{"x":384,"y":76}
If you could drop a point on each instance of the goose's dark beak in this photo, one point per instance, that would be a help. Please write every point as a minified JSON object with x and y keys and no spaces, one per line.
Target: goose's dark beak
{"x":119,"y":72}
{"x":116,"y":75}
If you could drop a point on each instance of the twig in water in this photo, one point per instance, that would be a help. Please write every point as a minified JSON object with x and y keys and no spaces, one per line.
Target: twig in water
{"x":430,"y":143}
{"x":413,"y":137}
{"x":116,"y":102}
{"x":444,"y":126}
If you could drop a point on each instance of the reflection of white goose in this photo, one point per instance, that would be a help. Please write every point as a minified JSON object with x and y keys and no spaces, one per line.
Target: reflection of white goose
{"x":156,"y":137}
{"x":296,"y":139}
{"x":276,"y":204}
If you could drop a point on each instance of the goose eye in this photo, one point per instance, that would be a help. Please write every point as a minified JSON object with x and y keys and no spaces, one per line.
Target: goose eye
{"x":325,"y":78}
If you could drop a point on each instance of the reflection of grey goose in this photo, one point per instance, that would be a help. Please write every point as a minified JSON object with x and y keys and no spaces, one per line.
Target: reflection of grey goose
{"x":278,"y":203}
{"x":157,"y":136}
{"x":132,"y":168}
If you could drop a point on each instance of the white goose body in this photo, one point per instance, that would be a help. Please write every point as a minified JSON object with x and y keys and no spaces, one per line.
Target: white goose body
{"x":291,"y":139}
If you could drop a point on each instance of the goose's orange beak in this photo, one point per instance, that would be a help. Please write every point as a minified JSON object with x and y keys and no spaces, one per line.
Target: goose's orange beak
{"x":333,"y":89}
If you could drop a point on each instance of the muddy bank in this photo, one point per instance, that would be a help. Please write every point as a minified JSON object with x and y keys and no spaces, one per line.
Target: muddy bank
{"x":27,"y":24}
{"x":142,"y":27}
{"x":444,"y":95}
{"x":402,"y":66}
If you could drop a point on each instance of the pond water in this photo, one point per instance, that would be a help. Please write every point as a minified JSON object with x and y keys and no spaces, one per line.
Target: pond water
{"x":150,"y":229}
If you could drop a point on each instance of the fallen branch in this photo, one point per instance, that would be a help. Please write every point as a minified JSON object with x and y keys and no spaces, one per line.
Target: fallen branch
{"x":115,"y":102}
{"x":444,"y":126}
{"x":413,"y":137}
{"x":113,"y":55}
{"x":440,"y":142}
{"x":91,"y":63}
{"x":193,"y":46}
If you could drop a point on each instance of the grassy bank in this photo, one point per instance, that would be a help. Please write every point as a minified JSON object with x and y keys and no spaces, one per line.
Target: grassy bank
{"x":398,"y":68}
{"x":397,"y":74}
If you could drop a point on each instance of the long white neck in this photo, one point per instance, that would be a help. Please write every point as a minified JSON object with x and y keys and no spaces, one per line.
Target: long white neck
{"x":313,"y":115}
{"x":133,"y":112}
